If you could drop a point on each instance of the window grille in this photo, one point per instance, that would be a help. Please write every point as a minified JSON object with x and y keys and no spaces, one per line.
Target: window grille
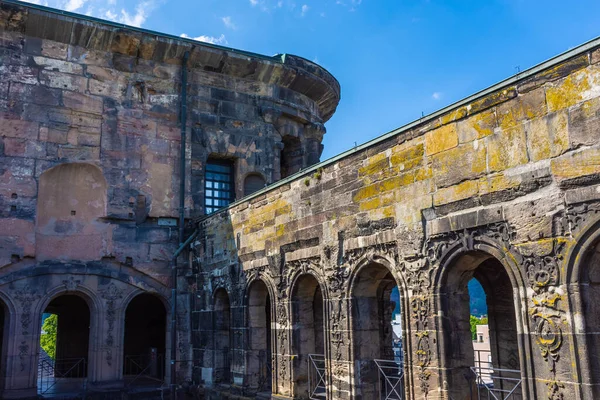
{"x":218,"y":185}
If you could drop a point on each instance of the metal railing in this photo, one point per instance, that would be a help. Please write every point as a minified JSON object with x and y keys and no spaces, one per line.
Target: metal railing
{"x":62,"y":375}
{"x":495,"y":383}
{"x":317,"y":387}
{"x":391,"y":379}
{"x":144,"y":369}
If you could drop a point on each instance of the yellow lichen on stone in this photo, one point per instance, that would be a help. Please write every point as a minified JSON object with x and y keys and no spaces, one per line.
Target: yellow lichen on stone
{"x":441,"y":139}
{"x":451,"y":194}
{"x":379,"y":188}
{"x":374,"y":164}
{"x":408,"y":158}
{"x":576,"y":165}
{"x":478,"y":126}
{"x":568,"y":92}
{"x":548,"y":137}
{"x":507,"y":149}
{"x":496,"y":183}
{"x":454,"y":115}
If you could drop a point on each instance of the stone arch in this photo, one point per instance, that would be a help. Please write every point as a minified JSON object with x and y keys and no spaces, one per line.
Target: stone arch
{"x":7,"y":336}
{"x":505,"y":290}
{"x":582,"y":278}
{"x":259,"y":302}
{"x":307,"y":301}
{"x":145,"y":336}
{"x":71,"y":198}
{"x":80,"y":329}
{"x":253,"y":182}
{"x":222,"y":344}
{"x":370,"y":288}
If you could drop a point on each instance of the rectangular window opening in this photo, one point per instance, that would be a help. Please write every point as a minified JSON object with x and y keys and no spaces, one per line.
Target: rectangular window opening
{"x":218,"y":184}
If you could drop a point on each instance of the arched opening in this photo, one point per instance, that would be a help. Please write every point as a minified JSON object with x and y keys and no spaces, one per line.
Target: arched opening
{"x":308,"y":338}
{"x":291,"y":156}
{"x":253,"y":183}
{"x":4,"y":315}
{"x":589,"y":287}
{"x":222,"y":348}
{"x":481,"y":360}
{"x":259,"y":360}
{"x":377,"y":334}
{"x":144,"y":340}
{"x":64,"y":345}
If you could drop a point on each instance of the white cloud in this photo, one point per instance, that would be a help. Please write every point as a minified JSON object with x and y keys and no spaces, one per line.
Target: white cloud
{"x":142,"y":11}
{"x":229,"y":23}
{"x":279,"y":4}
{"x":221,"y":40}
{"x":112,"y":2}
{"x":305,"y":9}
{"x":110,"y":15}
{"x":73,"y":5}
{"x":254,"y":2}
{"x":436,"y":95}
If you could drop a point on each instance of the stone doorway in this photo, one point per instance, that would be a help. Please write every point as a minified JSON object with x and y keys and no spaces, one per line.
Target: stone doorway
{"x":259,"y":359}
{"x":307,"y":337}
{"x":4,"y":315}
{"x":375,"y":308}
{"x":144,"y":348}
{"x":64,"y":346}
{"x":589,"y":286}
{"x":222,"y":347}
{"x":499,"y":373}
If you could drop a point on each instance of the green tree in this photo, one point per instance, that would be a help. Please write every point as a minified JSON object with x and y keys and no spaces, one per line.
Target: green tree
{"x":48,"y":338}
{"x":483,"y":320}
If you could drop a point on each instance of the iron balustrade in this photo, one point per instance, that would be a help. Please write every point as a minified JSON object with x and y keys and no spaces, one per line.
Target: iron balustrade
{"x":317,"y":387}
{"x":495,"y":383}
{"x":391,"y":379}
{"x":144,"y":369}
{"x":62,"y":375}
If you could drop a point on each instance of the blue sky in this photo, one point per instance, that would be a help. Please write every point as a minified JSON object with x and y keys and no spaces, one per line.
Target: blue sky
{"x":395,"y":59}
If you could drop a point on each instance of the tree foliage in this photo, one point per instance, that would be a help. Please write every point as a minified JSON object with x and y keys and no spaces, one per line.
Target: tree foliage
{"x":48,"y":337}
{"x":483,"y":320}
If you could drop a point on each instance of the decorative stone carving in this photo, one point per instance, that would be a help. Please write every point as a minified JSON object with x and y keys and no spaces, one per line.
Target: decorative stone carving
{"x":543,"y":277}
{"x":389,"y":249}
{"x":577,"y":216}
{"x":26,"y":296}
{"x":71,"y":284}
{"x":111,"y":294}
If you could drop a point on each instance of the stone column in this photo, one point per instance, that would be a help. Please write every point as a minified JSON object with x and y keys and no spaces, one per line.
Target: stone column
{"x":23,"y":345}
{"x":339,"y":358}
{"x":282,"y":368}
{"x":313,"y":136}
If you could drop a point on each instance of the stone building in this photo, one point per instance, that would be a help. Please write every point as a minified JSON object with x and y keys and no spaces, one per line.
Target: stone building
{"x":133,"y":206}
{"x":93,"y":202}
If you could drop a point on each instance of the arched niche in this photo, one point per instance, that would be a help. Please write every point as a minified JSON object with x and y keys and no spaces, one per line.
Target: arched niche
{"x":71,"y":198}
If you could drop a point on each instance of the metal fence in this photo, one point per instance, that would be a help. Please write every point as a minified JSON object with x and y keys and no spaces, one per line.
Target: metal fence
{"x":317,"y":388}
{"x":144,"y":369}
{"x":62,"y":375}
{"x":391,"y":379}
{"x":495,"y":383}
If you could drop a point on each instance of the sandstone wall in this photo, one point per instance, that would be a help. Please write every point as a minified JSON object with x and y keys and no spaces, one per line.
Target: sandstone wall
{"x":510,"y":173}
{"x":90,"y":140}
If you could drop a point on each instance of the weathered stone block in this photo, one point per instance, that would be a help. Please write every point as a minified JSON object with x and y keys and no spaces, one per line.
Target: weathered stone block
{"x":478,"y":126}
{"x":506,"y":149}
{"x":441,"y":139}
{"x":548,"y":137}
{"x":577,"y":167}
{"x":466,"y":161}
{"x":64,"y":81}
{"x":457,"y":192}
{"x":584,"y":123}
